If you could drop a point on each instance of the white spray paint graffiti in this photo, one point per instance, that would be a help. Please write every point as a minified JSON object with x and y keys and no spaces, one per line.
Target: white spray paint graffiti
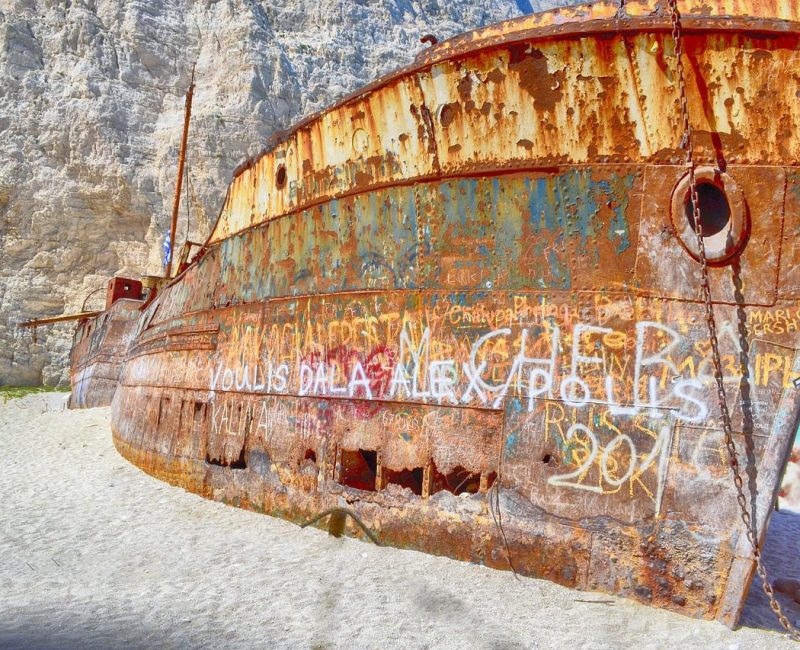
{"x":577,"y":379}
{"x":657,"y":457}
{"x":684,"y":396}
{"x":419,"y":377}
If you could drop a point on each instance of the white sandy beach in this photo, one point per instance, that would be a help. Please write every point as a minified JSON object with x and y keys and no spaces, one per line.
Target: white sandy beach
{"x":96,"y":554}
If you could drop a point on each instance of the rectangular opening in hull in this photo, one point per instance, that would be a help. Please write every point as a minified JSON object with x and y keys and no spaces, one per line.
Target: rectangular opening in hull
{"x":358,"y":469}
{"x":163,"y":411}
{"x":239,"y":463}
{"x":407,"y":478}
{"x":458,"y":481}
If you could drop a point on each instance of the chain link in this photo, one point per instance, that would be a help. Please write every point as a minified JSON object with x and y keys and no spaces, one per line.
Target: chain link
{"x":686,"y":144}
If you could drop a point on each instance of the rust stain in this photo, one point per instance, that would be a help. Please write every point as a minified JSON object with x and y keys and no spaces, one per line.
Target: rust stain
{"x":448,"y":113}
{"x":534,"y":77}
{"x":496,"y":76}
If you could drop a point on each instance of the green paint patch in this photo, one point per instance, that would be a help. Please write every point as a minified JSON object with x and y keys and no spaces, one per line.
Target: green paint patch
{"x":13,"y":392}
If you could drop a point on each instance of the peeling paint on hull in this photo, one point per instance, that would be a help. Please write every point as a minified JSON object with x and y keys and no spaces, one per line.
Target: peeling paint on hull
{"x":99,"y":348}
{"x":469,"y":280}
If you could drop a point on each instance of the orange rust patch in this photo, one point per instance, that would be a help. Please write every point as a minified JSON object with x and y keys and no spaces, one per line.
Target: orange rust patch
{"x":534,"y":77}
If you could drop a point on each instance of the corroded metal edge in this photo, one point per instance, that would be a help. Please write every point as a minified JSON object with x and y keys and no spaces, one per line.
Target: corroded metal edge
{"x":99,"y":349}
{"x":640,"y":15}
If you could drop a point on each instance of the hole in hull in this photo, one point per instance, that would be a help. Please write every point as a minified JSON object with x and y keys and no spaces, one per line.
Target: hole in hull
{"x":359,"y":469}
{"x":715,"y":212}
{"x":239,"y":463}
{"x":406,"y":478}
{"x":457,"y":481}
{"x":280,"y":177}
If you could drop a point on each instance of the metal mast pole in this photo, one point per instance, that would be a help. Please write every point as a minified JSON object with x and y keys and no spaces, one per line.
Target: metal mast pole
{"x":181,"y":160}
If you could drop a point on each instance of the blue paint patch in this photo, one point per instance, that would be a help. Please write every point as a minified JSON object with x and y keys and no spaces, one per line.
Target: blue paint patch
{"x":561,"y":272}
{"x":570,"y":202}
{"x":511,"y":442}
{"x":541,"y":204}
{"x":618,"y":228}
{"x":468,"y":198}
{"x":578,"y":196}
{"x":564,"y":447}
{"x":794,"y":186}
{"x":524,"y":6}
{"x":495,"y":198}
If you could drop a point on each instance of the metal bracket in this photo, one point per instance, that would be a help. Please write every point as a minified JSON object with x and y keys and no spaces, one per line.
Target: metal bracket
{"x":338,"y":520}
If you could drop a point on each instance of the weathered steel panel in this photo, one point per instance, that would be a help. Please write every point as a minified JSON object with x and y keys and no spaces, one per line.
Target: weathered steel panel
{"x":598,"y":412}
{"x":533,"y":231}
{"x":99,"y":348}
{"x":663,"y":265}
{"x":789,"y":283}
{"x":374,"y":139}
{"x":552,"y":98}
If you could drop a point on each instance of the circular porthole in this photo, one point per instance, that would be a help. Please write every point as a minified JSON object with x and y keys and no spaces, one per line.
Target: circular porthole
{"x":360,"y":142}
{"x":280,"y":177}
{"x":723,"y":219}
{"x":447,"y":114}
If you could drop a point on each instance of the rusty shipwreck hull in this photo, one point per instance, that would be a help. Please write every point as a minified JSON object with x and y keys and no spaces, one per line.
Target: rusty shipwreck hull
{"x":470,"y":291}
{"x":99,"y":348}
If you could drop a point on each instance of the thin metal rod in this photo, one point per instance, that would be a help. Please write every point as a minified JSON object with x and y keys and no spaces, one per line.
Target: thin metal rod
{"x":84,"y":315}
{"x":188,"y":216}
{"x":345,"y":511}
{"x":181,"y":160}
{"x":86,"y":299}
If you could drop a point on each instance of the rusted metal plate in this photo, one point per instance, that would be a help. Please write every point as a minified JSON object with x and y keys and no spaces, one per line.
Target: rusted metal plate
{"x":789,"y":283}
{"x":545,"y":399}
{"x":99,"y":348}
{"x":470,"y":287}
{"x":663,"y":265}
{"x":566,"y":97}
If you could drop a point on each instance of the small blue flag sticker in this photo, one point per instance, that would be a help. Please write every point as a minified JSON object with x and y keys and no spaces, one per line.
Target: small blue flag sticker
{"x":166,"y":248}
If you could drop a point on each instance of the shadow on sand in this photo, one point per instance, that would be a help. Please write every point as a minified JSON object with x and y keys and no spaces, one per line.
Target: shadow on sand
{"x":782,"y":560}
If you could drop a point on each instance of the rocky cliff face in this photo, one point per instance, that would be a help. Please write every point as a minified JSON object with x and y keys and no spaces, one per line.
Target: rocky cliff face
{"x":91,"y":108}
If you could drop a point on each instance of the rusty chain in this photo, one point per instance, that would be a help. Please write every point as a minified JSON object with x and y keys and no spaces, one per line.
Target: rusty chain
{"x":686,"y":145}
